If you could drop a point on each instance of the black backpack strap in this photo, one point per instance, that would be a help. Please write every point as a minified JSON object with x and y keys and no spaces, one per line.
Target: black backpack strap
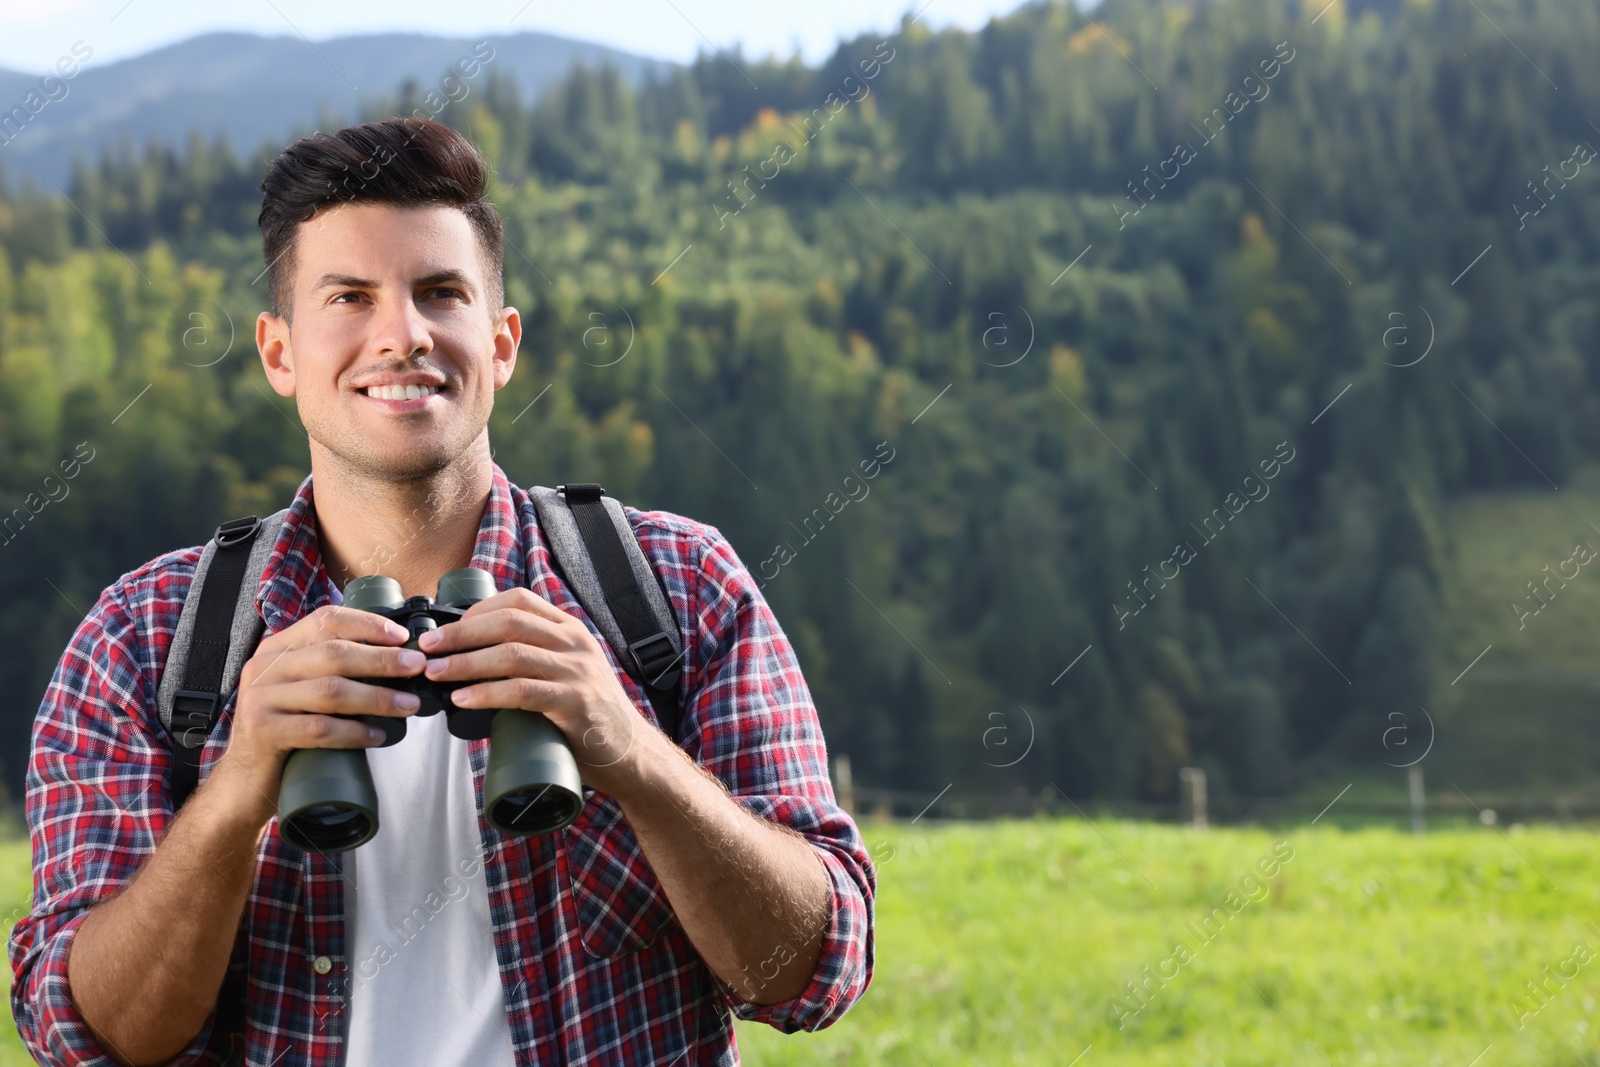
{"x":217,"y":631}
{"x":599,"y":555}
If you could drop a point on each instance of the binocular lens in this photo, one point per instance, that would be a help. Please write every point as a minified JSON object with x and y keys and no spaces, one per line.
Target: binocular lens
{"x":327,"y":828}
{"x":532,"y":784}
{"x":327,"y":802}
{"x":535,"y":811}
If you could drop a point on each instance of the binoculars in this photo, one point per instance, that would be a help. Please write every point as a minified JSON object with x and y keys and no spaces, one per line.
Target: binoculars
{"x":327,"y":802}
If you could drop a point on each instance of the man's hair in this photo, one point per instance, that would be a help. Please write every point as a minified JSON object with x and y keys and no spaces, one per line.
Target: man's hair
{"x":392,"y":161}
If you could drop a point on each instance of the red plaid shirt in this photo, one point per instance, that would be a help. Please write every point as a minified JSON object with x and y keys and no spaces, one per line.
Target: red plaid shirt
{"x":595,"y":967}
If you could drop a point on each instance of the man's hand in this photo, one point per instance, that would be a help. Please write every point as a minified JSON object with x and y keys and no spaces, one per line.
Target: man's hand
{"x":732,"y":878}
{"x":545,"y":660}
{"x":297,"y":688}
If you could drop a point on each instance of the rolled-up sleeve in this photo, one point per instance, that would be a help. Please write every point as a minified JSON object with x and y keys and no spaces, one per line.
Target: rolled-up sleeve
{"x":751,"y":722}
{"x":96,"y":805}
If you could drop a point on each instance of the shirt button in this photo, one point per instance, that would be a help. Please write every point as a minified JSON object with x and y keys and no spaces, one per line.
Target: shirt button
{"x":322,"y":965}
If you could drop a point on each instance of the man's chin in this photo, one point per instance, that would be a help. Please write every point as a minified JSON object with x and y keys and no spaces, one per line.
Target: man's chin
{"x":412,"y":464}
{"x":404,"y":462}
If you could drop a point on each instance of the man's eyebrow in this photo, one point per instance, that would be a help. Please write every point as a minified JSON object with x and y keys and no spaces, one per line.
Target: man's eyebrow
{"x":447,"y":275}
{"x":350,"y":281}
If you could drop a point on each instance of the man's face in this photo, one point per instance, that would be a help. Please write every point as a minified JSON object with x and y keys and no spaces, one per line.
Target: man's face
{"x":387,"y":297}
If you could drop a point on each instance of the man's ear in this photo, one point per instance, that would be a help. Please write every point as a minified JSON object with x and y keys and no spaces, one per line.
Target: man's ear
{"x":507,"y":336}
{"x":277,"y":352}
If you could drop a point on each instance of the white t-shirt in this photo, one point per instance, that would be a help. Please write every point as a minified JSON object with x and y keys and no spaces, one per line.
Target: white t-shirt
{"x":424,"y":985}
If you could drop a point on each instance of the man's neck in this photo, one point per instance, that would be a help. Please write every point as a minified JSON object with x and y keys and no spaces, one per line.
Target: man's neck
{"x":411,"y":531}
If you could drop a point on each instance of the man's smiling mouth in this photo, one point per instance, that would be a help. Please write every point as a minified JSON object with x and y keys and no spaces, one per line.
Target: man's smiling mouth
{"x":400,"y":392}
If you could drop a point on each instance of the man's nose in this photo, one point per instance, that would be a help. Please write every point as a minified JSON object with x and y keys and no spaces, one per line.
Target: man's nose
{"x":401,"y":329}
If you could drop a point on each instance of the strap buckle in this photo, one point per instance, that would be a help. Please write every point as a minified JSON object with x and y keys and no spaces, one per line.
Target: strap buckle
{"x":655,"y":659}
{"x":193,"y":712}
{"x":581,"y":492}
{"x":237,"y":531}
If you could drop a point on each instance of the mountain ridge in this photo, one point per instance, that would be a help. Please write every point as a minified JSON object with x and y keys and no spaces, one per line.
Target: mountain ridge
{"x":255,"y":88}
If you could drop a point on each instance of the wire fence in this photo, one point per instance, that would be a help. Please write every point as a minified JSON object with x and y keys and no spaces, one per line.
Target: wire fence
{"x":1488,"y":808}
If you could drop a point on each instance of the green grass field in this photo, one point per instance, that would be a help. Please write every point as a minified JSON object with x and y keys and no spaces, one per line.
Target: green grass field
{"x":16,"y":886}
{"x":1006,"y":943}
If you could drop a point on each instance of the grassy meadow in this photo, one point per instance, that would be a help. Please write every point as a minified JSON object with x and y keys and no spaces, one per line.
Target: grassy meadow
{"x":1503,"y":541}
{"x":16,"y":887}
{"x":1007,"y":943}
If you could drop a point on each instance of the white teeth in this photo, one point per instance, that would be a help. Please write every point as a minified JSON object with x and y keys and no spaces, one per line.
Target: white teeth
{"x":401,"y":392}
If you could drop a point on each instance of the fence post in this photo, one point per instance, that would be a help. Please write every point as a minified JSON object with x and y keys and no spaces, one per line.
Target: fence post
{"x":1414,"y":774}
{"x":843,"y":784}
{"x":1194,"y":780}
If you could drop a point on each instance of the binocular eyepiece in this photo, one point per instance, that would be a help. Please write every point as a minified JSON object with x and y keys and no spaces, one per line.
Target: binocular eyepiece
{"x":327,"y":801}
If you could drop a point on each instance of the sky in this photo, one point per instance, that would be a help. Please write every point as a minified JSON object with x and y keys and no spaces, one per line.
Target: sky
{"x":34,"y":33}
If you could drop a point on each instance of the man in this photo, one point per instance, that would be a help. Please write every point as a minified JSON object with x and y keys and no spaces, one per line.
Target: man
{"x":702,"y":882}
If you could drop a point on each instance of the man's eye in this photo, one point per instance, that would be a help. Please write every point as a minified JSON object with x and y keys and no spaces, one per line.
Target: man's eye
{"x":339,"y":297}
{"x":447,"y":289}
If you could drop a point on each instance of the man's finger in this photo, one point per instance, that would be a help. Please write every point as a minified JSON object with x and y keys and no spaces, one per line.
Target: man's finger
{"x":350,"y":659}
{"x":507,"y":659}
{"x":521,"y":600}
{"x":331,"y":695}
{"x":293,"y":732}
{"x":327,"y":623}
{"x":336,"y":621}
{"x":494,"y":627}
{"x":530,"y":694}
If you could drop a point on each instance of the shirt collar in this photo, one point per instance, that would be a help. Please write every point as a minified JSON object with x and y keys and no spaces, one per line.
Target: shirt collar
{"x":294,"y":582}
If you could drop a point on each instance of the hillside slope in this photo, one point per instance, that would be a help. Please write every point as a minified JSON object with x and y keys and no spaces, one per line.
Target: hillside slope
{"x":252,"y":88}
{"x":1524,"y":714}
